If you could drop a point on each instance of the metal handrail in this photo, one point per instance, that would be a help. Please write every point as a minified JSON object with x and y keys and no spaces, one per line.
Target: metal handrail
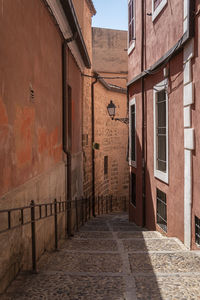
{"x":41,"y":211}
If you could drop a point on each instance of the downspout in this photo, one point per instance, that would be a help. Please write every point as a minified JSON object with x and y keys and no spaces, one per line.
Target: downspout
{"x":143,"y":120}
{"x":64,"y":136}
{"x":93,"y":151}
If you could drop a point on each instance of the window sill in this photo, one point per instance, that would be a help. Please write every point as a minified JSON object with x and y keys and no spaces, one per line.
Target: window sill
{"x":132,"y":46}
{"x":161,"y":175}
{"x":158,"y":10}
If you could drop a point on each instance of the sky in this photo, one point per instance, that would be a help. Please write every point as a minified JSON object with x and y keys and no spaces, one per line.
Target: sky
{"x":111,"y":14}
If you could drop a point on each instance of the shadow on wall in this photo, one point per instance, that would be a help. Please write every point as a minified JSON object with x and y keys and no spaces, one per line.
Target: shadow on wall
{"x":143,"y":264}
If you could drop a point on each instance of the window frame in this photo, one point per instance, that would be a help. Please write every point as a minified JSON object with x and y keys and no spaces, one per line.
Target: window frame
{"x":132,"y":162}
{"x":131,"y":44}
{"x":159,"y":8}
{"x":163,"y":176}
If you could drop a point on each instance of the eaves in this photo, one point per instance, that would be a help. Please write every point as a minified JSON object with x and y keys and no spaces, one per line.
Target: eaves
{"x":69,"y":11}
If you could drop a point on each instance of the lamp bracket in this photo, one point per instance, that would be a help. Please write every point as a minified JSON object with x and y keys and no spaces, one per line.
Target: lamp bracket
{"x":122,"y":120}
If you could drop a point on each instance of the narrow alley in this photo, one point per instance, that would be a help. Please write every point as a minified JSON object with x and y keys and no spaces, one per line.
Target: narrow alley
{"x":112,"y":259}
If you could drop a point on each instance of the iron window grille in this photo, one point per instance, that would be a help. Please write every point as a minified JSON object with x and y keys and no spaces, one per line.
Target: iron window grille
{"x":197,"y":231}
{"x":161,"y":210}
{"x":133,"y":189}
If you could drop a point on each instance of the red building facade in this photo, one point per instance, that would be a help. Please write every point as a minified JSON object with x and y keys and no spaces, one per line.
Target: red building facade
{"x":163,"y":111}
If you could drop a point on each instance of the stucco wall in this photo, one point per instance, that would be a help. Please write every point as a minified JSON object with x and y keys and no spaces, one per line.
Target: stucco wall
{"x":161,"y":34}
{"x":175,"y":189}
{"x":112,"y":137}
{"x":30,"y":129}
{"x":109,"y":47}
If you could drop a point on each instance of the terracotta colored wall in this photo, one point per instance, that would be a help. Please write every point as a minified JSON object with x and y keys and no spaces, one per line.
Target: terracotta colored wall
{"x":30,"y":129}
{"x":156,"y":45}
{"x":175,"y":189}
{"x":75,"y":82}
{"x":113,"y":140}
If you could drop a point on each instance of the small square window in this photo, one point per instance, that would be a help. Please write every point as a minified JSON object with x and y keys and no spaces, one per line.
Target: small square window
{"x":161,"y":210}
{"x":197,"y":231}
{"x":133,"y":189}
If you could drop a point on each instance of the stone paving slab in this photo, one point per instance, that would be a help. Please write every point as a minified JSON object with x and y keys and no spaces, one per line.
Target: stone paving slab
{"x":169,"y":288}
{"x":90,"y":244}
{"x":152,"y":245}
{"x":81,"y":262}
{"x":139,"y":234}
{"x":113,"y":260}
{"x":164,"y":262}
{"x":93,"y":228}
{"x":93,"y":235}
{"x":126,"y":228}
{"x":60,"y":286}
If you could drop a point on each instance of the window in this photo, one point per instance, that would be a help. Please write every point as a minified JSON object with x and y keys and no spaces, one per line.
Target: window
{"x":161,"y":210}
{"x":133,"y":189}
{"x":161,"y":131}
{"x":197,"y":231}
{"x":105,"y":165}
{"x":157,"y":7}
{"x":131,"y":25}
{"x":132,"y":133}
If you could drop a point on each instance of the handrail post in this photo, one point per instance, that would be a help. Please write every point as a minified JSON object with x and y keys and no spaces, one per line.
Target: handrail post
{"x":34,"y":263}
{"x":102,"y":205}
{"x":106,"y":204}
{"x":89,"y":208}
{"x":98,"y":205}
{"x":111,"y":203}
{"x":82,"y":211}
{"x":76,"y":208}
{"x":56,"y":224}
{"x":86,"y":209}
{"x":69,"y":230}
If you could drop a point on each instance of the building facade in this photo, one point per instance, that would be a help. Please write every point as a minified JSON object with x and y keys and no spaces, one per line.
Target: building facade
{"x":43,"y":53}
{"x":109,"y":64}
{"x":164,"y":159}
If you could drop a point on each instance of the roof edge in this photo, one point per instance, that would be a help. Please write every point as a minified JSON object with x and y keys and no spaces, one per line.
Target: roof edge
{"x":69,"y":11}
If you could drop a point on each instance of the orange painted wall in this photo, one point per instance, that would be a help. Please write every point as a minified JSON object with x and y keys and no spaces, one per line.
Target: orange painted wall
{"x":30,"y":57}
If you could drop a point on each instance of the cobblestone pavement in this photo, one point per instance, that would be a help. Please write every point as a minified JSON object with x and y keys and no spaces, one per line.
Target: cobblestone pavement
{"x":111,"y":259}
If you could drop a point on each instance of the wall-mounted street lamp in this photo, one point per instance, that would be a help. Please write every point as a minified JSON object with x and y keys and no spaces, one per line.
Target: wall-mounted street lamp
{"x":111,"y":111}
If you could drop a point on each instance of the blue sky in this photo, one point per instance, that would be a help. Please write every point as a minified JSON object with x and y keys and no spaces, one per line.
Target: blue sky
{"x":111,"y":14}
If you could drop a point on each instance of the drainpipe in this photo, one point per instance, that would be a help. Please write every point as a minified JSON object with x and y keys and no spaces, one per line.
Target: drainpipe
{"x":93,"y":151}
{"x":68,"y":191}
{"x":143,"y":120}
